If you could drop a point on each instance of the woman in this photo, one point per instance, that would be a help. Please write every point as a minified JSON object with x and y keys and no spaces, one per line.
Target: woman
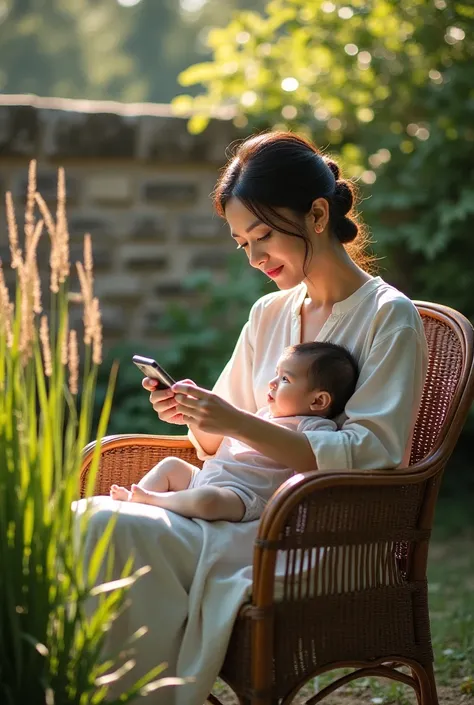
{"x":291,"y":213}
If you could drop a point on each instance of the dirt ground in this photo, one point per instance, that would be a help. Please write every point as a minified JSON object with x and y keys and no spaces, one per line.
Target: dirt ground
{"x":447,"y":695}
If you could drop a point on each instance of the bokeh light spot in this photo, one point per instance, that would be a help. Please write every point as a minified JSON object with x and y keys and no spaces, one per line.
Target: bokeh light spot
{"x":248,"y":98}
{"x":345,"y":13}
{"x":368,"y":176}
{"x":351,"y":49}
{"x":289,"y":112}
{"x":290,"y":84}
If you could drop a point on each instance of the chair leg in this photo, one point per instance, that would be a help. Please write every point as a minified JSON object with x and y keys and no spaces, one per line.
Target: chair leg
{"x":432,"y":681}
{"x":427,"y":685}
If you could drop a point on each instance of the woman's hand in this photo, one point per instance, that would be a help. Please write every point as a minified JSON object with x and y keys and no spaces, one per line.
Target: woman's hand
{"x":205,"y":410}
{"x":164,"y":402}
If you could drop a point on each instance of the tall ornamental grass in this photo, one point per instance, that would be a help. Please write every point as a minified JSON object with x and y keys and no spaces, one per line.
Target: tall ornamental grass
{"x":50,"y":647}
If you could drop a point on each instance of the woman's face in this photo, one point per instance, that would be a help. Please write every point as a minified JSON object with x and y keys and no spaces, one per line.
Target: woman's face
{"x":279,"y":256}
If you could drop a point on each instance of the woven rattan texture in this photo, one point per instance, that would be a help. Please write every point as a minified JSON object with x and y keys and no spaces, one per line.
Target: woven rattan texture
{"x":444,"y":367}
{"x":124,"y":466}
{"x":312,"y":634}
{"x":348,"y":515}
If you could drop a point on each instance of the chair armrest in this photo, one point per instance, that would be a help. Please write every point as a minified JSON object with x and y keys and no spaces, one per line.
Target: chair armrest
{"x":126,"y":458}
{"x":343,"y":511}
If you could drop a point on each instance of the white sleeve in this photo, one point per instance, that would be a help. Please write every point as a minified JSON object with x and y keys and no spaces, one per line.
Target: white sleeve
{"x":316,"y":423}
{"x":382,"y":411}
{"x":235,"y":383}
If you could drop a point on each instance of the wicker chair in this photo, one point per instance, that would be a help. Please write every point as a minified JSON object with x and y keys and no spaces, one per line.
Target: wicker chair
{"x":354,"y":545}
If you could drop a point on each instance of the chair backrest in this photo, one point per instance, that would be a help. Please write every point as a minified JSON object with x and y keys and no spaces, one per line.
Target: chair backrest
{"x":449,"y":386}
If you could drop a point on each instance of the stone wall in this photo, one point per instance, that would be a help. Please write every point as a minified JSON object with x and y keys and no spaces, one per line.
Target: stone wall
{"x":137,"y":181}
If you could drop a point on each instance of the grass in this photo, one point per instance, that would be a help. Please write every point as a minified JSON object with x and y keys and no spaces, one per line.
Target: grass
{"x":451,"y":600}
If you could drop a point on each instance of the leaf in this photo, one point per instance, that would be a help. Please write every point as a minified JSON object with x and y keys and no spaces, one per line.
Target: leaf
{"x":198,"y":124}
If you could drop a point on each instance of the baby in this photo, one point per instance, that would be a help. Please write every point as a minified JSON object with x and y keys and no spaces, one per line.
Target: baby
{"x":312,"y":385}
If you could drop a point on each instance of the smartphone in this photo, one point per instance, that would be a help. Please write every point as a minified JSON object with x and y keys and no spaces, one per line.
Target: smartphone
{"x":152,"y":369}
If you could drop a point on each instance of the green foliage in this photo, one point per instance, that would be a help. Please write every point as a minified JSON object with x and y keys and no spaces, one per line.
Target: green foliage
{"x":53,"y":616}
{"x":388,"y":85}
{"x":201,"y":339}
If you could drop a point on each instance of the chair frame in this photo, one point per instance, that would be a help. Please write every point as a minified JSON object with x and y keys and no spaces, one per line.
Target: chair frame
{"x":259,"y":614}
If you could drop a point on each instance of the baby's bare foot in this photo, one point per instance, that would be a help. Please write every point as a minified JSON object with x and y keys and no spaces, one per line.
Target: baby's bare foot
{"x":138,"y":494}
{"x":117,"y":492}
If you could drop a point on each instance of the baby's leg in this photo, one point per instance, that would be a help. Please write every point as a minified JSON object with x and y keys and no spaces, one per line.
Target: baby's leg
{"x":169,"y":475}
{"x":206,"y":502}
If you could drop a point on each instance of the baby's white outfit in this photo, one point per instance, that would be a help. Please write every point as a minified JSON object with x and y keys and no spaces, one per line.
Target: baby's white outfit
{"x":252,"y":476}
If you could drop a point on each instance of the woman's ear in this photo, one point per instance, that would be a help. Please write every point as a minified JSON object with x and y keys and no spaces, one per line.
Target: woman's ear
{"x":321,"y":402}
{"x":320,"y":214}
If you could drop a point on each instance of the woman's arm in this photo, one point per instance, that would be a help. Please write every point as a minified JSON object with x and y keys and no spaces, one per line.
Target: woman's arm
{"x":287,"y":447}
{"x":209,"y":413}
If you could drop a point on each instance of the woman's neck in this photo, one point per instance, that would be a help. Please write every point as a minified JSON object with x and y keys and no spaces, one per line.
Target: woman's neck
{"x":336,"y":277}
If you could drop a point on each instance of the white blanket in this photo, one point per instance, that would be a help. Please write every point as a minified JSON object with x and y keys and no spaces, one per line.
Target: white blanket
{"x":200,"y":575}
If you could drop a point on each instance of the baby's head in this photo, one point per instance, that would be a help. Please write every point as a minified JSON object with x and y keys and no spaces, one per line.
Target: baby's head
{"x":313,"y":379}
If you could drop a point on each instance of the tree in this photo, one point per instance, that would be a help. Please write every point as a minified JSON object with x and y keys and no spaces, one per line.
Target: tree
{"x":113,"y":49}
{"x":387,"y":84}
{"x":66,"y":49}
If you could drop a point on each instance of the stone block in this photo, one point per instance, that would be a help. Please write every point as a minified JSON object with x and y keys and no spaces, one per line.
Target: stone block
{"x":19,"y":131}
{"x":201,"y":227}
{"x":212,"y":259}
{"x":102,"y":256}
{"x":113,"y":320}
{"x":116,"y":287}
{"x":93,"y":223}
{"x":144,"y":258}
{"x":47,"y":185}
{"x":147,"y":227}
{"x":171,"y":290}
{"x":109,"y":188}
{"x":166,"y":139}
{"x":170,"y":193}
{"x":97,"y":135}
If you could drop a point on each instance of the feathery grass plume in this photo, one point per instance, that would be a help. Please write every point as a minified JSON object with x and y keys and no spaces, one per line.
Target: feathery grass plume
{"x":54,"y":257}
{"x":88,"y":261}
{"x":73,"y":361}
{"x":16,"y":254}
{"x":86,"y":291}
{"x":64,"y":344}
{"x":96,"y":332}
{"x":36,"y":281}
{"x":29,"y":287}
{"x":46,"y":347}
{"x":62,"y":232}
{"x":6,"y":310}
{"x":30,"y":204}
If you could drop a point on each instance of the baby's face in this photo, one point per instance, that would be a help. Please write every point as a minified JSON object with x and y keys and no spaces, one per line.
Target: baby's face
{"x":289,"y":393}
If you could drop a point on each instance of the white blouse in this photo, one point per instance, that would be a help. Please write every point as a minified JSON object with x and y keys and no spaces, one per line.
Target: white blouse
{"x":381,"y":327}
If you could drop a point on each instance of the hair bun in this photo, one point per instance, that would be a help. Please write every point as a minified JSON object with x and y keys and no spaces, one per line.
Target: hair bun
{"x":334,"y":167}
{"x":343,"y":197}
{"x":346,"y":230}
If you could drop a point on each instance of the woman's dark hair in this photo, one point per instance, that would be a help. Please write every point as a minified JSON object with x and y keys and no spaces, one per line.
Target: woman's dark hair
{"x":283,"y":170}
{"x":332,"y":369}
